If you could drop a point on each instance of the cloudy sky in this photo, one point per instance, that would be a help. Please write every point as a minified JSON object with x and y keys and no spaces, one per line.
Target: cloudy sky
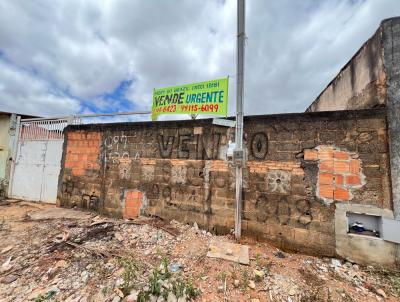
{"x":60,"y":57}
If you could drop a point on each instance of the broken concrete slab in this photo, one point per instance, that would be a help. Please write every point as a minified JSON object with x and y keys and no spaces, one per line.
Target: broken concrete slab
{"x":58,"y":213}
{"x":229,"y":251}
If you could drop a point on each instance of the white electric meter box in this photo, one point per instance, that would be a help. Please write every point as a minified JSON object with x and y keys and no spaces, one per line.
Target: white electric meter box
{"x":229,"y":151}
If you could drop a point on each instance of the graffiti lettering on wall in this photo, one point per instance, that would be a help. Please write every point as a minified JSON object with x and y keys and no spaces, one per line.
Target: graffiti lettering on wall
{"x":124,"y":167}
{"x":90,"y":202}
{"x":194,"y":175}
{"x":206,"y":146}
{"x":116,"y":141}
{"x":182,"y":197}
{"x":165,"y":145}
{"x":67,"y":189}
{"x":114,"y":148}
{"x":283,"y":210}
{"x":178,"y":184}
{"x":70,"y":194}
{"x":190,"y":145}
{"x":259,"y":145}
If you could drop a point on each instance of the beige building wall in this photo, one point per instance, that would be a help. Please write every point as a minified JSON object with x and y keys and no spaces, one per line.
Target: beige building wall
{"x":360,"y":84}
{"x":4,"y":143}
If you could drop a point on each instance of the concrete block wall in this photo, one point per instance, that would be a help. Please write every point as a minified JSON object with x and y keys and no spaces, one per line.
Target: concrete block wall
{"x":300,"y":166}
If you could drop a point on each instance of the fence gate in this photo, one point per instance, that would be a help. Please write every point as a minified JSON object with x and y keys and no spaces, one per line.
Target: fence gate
{"x":38,"y":159}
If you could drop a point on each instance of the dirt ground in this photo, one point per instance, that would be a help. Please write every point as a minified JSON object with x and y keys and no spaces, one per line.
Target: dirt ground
{"x":52,"y":254}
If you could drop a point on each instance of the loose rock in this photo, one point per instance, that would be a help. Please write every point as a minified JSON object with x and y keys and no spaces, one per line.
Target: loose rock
{"x":252,"y":284}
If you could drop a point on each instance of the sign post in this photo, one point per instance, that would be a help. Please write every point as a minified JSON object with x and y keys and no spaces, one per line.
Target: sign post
{"x":210,"y":97}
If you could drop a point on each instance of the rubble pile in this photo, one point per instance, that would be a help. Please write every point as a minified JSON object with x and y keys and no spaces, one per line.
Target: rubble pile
{"x":93,"y":258}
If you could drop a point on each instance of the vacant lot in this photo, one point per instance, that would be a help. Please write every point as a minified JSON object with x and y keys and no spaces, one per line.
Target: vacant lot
{"x":52,"y":254}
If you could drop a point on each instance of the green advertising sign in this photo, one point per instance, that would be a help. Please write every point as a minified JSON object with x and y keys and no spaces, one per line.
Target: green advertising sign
{"x":210,"y":97}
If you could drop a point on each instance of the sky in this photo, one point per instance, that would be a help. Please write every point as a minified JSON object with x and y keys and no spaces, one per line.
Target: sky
{"x":61,"y":57}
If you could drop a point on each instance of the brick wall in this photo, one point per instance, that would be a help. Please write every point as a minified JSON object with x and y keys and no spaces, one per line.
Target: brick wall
{"x":299,"y":167}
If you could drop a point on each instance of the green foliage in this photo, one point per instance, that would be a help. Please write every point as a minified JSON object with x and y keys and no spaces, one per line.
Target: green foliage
{"x":154,"y":282}
{"x":49,"y":296}
{"x":221,"y":276}
{"x":191,"y":291}
{"x":132,"y":268}
{"x":162,"y":274}
{"x":245,"y":277}
{"x":143,"y":296}
{"x":104,"y":290}
{"x":179,"y":288}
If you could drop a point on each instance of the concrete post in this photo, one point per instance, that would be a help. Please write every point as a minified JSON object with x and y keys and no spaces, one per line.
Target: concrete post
{"x":241,"y":17}
{"x":14,"y":152}
{"x":391,"y":54}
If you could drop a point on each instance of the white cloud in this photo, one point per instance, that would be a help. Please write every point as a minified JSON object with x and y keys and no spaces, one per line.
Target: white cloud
{"x":22,"y":92}
{"x":56,"y":52}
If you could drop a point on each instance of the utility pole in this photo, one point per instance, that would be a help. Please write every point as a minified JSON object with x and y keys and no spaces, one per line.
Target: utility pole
{"x":238,"y":152}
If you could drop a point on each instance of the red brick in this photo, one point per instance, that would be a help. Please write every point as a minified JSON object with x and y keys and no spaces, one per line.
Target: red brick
{"x":341,"y":155}
{"x":74,"y":157}
{"x":132,"y":194}
{"x":353,"y":180}
{"x":92,"y":157}
{"x":326,"y":191}
{"x":133,"y":202}
{"x":94,"y":150}
{"x":69,"y":164}
{"x":81,"y":164}
{"x":92,"y":166}
{"x":339,"y":180}
{"x":71,"y":149}
{"x":355,"y":166}
{"x":130,"y":203}
{"x":78,"y":171}
{"x":325,"y":179}
{"x":82,"y":157}
{"x":310,"y":154}
{"x":341,"y":194}
{"x":341,"y":167}
{"x":326,"y":165}
{"x":131,"y":212}
{"x":75,"y":135}
{"x":325,"y":153}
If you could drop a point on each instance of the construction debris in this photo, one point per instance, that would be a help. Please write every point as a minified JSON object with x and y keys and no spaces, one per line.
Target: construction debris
{"x":104,"y":260}
{"x":229,"y":251}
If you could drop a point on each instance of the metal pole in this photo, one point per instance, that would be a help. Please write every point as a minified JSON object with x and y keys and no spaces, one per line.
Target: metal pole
{"x":241,"y":6}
